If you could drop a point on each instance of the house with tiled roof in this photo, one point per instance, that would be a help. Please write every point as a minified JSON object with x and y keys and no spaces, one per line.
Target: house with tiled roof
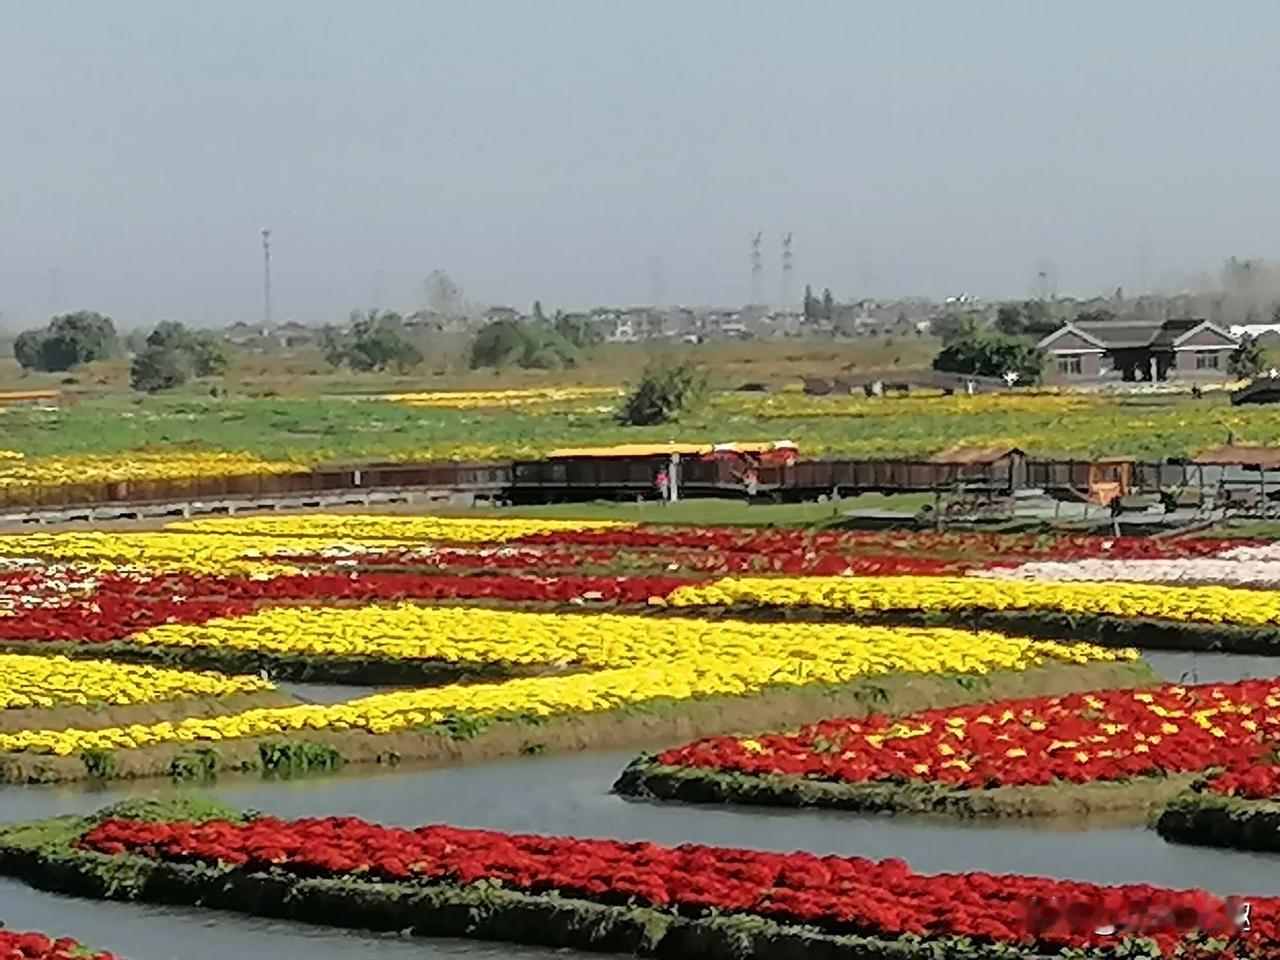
{"x":1101,"y":351}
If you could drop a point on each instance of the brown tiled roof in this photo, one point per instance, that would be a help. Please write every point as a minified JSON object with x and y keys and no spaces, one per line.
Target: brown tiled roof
{"x":1237,"y":455}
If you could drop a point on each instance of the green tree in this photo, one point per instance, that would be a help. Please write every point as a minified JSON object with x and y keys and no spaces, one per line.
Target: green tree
{"x":828,"y":304}
{"x":662,"y":394}
{"x":810,"y":306}
{"x":1030,"y":318}
{"x":505,"y":343}
{"x":582,"y":332}
{"x":159,"y":368}
{"x":69,"y":339}
{"x":27,"y":349}
{"x":207,"y":354}
{"x":955,"y":326}
{"x":991,"y":354}
{"x":1101,"y":315}
{"x":1246,"y":360}
{"x":375,"y":340}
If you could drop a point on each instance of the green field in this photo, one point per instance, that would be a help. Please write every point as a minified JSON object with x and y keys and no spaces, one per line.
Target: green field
{"x":335,"y":429}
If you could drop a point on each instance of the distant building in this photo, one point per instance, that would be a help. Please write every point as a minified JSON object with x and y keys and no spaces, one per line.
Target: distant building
{"x":494,"y":314}
{"x":243,"y":334}
{"x":294,"y":334}
{"x":1134,"y":351}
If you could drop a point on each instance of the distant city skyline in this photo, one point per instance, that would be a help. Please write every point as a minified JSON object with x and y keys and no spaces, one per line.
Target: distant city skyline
{"x":583,"y":153}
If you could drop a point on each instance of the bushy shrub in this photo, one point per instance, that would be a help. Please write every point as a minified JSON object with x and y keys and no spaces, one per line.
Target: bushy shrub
{"x":69,"y":339}
{"x":662,"y":394}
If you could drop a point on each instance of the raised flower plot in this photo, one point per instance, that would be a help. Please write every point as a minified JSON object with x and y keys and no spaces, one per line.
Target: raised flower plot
{"x":601,"y":663}
{"x":1106,"y":736}
{"x":691,"y":900}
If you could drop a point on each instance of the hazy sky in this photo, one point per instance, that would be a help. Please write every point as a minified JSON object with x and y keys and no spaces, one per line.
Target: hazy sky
{"x":587,"y":151}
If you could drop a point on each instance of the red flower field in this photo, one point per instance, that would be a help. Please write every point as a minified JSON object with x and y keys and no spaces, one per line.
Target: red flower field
{"x":974,"y":547}
{"x":36,"y":946}
{"x":120,"y":606}
{"x":1107,"y":735}
{"x":841,"y":894}
{"x":1258,"y":782}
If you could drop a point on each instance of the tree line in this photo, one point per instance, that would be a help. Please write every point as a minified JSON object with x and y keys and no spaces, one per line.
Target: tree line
{"x":372,"y":341}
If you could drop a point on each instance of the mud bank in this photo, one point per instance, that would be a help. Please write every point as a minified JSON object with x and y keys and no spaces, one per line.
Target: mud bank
{"x":1211,"y":820}
{"x":646,"y":779}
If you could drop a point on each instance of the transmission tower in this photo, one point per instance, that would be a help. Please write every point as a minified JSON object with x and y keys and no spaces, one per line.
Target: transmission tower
{"x":757,"y":266}
{"x":788,"y":267}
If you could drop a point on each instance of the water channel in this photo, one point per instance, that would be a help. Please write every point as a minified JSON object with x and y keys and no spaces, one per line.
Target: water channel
{"x":570,"y":795}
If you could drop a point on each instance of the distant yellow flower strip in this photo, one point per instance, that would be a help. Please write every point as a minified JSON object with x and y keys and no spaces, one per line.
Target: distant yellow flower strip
{"x":786,"y":404}
{"x":659,"y":659}
{"x":479,"y":635}
{"x":236,"y":545}
{"x":870,"y":594}
{"x":27,"y":681}
{"x":159,"y":552}
{"x":119,"y":467}
{"x":393,"y":528}
{"x":531,"y":396}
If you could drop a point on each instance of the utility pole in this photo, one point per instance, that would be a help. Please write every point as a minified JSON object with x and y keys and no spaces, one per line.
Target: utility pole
{"x":266,"y":278}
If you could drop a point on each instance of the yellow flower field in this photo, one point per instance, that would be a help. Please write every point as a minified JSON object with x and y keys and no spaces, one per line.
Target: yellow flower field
{"x":238,"y":545}
{"x":662,"y":661}
{"x":793,"y":404}
{"x":389,"y":528}
{"x":159,"y":552}
{"x":1207,"y":604}
{"x":599,"y":640}
{"x":32,"y":681}
{"x":18,"y":472}
{"x":523,"y":397}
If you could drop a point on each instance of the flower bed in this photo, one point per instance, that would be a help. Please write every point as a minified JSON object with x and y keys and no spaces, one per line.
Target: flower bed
{"x":627,"y":661}
{"x":936,"y":759}
{"x":30,"y":681}
{"x":383,"y":527}
{"x":117,"y":606}
{"x":965,"y":545}
{"x":689,"y":901}
{"x":36,"y":946}
{"x":1193,"y":572}
{"x":1210,"y":605}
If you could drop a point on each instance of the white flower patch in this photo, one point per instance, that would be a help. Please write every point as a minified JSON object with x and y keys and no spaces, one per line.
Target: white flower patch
{"x":1191,"y":570}
{"x":1266,"y":551}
